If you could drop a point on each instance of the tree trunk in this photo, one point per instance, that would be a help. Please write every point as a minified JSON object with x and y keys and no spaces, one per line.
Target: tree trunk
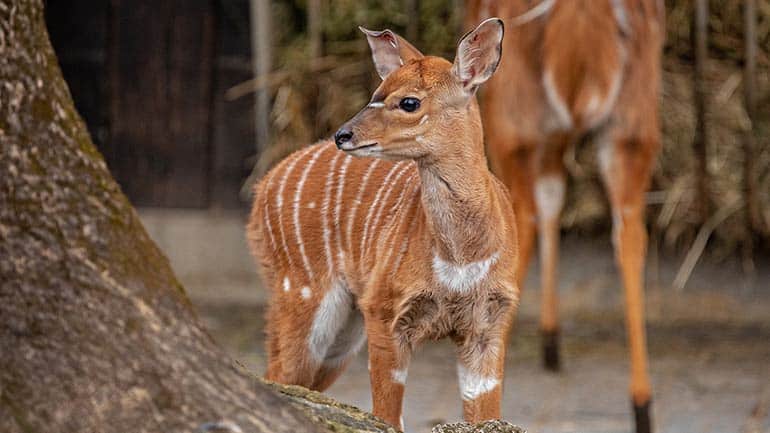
{"x":96,"y":334}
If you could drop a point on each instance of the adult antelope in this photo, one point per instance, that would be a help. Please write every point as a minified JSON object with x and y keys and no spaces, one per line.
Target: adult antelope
{"x":401,"y":235}
{"x":574,"y":69}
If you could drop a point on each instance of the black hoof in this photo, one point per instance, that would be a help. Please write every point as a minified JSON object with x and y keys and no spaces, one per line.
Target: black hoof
{"x":551,"y":350}
{"x":642,"y":417}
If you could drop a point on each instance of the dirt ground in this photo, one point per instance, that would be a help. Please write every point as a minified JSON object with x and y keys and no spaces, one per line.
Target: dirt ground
{"x":709,"y":347}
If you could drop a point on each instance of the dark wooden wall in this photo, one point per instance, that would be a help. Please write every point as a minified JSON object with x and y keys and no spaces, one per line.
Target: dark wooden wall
{"x":149,"y":79}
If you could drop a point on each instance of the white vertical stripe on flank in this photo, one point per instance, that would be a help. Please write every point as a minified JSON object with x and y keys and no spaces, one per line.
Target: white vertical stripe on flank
{"x":385,"y":183}
{"x":337,"y":208}
{"x":297,"y":197}
{"x":279,"y":201}
{"x":269,"y":227}
{"x":268,"y":224}
{"x":395,"y":225}
{"x":412,"y":226}
{"x":384,"y":202}
{"x":357,"y":201}
{"x":325,"y":213}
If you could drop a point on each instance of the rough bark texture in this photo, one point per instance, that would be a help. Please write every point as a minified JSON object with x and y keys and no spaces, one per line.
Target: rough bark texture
{"x":96,"y":334}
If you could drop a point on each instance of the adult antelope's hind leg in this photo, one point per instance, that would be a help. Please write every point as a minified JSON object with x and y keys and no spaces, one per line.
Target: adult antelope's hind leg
{"x":626,"y":165}
{"x":550,"y":188}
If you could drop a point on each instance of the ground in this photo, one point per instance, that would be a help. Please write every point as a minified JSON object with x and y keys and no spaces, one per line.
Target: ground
{"x":707,"y":378}
{"x":709,"y":343}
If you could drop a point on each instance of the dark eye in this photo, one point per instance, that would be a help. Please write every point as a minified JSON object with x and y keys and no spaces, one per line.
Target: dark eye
{"x":409,"y":104}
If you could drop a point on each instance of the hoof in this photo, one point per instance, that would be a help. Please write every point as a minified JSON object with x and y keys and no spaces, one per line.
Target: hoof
{"x":642,"y":417}
{"x":551,"y":351}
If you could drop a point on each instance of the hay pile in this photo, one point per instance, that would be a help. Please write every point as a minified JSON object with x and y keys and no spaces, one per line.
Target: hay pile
{"x":312,"y":98}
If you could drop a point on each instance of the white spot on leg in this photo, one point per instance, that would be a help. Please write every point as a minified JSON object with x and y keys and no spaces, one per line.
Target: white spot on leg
{"x":399,"y":376}
{"x":473,"y":385}
{"x":401,"y":423}
{"x":461,"y":278}
{"x":549,"y":196}
{"x":311,"y":205}
{"x":349,"y":339}
{"x":606,"y":156}
{"x":306,"y":293}
{"x":286,"y":284}
{"x":330,"y":317}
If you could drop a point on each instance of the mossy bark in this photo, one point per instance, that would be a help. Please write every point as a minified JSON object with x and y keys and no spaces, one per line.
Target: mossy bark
{"x":96,"y":333}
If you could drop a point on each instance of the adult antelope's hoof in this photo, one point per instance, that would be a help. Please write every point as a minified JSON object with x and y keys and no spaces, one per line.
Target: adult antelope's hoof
{"x":642,"y":417}
{"x":551,"y":351}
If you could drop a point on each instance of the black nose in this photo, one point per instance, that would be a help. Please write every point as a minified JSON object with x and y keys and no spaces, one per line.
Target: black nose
{"x":342,"y":136}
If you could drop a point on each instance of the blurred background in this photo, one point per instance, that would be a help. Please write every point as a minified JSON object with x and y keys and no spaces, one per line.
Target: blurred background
{"x":192,"y":101}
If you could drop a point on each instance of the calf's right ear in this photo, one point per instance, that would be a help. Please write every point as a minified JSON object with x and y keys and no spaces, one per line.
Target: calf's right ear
{"x":478,"y":54}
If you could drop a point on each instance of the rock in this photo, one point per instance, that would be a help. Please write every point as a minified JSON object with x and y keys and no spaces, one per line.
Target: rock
{"x":495,"y":426}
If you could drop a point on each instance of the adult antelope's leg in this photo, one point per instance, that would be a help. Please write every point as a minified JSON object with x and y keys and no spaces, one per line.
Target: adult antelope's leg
{"x":626,"y":165}
{"x":388,"y":365}
{"x":550,"y":187}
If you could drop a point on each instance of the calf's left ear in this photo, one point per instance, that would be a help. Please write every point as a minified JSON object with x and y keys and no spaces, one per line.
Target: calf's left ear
{"x":478,"y":54}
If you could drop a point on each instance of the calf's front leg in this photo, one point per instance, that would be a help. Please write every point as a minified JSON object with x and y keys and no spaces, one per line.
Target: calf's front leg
{"x":480,"y":374}
{"x":388,"y":364}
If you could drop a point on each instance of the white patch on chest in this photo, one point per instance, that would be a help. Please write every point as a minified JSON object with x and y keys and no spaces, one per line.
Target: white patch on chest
{"x":461,"y":278}
{"x":473,"y":385}
{"x":399,"y":376}
{"x":330,"y":316}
